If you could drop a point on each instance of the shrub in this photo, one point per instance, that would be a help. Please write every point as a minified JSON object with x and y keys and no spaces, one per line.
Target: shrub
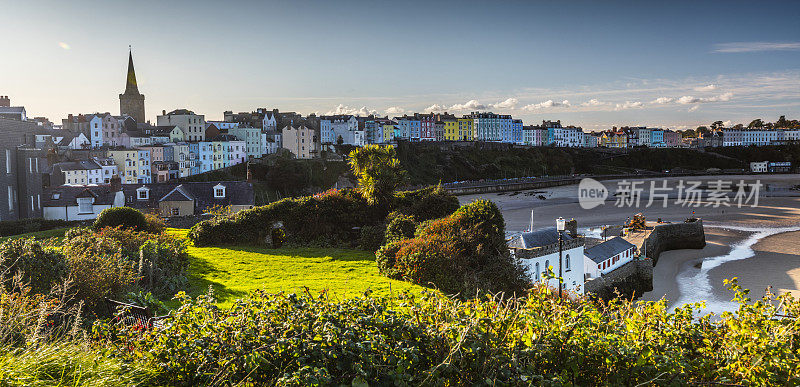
{"x":400,"y":227}
{"x":459,"y":254}
{"x":125,"y":217}
{"x":432,"y":339}
{"x":426,"y":204}
{"x":38,"y":264}
{"x":22,"y":226}
{"x":98,"y":270}
{"x":325,"y":219}
{"x":123,"y":257}
{"x":155,"y":225}
{"x":371,"y":237}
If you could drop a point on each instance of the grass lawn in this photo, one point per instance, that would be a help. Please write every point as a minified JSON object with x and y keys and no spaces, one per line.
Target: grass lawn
{"x":54,"y":233}
{"x":235,"y":271}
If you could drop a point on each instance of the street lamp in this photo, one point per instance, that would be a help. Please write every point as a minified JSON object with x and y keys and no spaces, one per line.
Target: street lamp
{"x":560,"y":225}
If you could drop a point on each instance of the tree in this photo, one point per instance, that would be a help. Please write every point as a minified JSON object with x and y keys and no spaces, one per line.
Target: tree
{"x":781,"y":122}
{"x":378,"y":171}
{"x":717,"y":125}
{"x":339,"y":140}
{"x":755,"y":124}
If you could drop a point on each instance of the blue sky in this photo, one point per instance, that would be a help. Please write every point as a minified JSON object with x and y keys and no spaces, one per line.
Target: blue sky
{"x":595,"y":64}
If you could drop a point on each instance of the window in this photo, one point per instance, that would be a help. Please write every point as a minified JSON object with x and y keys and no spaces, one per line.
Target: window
{"x":547,"y":264}
{"x":566,"y":263}
{"x":8,"y":161}
{"x":85,"y":205}
{"x":143,"y":193}
{"x":219,"y":191}
{"x":538,"y":271}
{"x":176,"y":211}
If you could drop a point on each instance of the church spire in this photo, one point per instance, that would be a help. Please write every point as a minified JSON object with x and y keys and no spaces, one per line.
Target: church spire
{"x":130,"y":85}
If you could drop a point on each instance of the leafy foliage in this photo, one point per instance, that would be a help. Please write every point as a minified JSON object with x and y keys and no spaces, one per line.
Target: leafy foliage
{"x":125,"y":217}
{"x":459,"y":254}
{"x":431,"y":339}
{"x":109,"y":262}
{"x":325,"y":219}
{"x":24,"y":226}
{"x":401,"y":226}
{"x":38,"y":264}
{"x":378,"y":171}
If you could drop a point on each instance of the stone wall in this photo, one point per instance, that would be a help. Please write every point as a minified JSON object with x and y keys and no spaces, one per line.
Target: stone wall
{"x":674,"y":236}
{"x":629,"y":280}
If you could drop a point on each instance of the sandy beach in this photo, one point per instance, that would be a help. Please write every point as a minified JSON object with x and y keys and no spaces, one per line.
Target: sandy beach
{"x":741,"y":242}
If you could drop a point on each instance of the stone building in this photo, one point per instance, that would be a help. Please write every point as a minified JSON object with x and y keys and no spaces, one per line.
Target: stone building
{"x":131,"y":102}
{"x":23,"y":165}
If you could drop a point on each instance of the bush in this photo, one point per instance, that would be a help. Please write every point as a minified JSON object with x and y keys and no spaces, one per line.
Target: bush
{"x":38,"y":264}
{"x":371,"y":237}
{"x":324,"y":219}
{"x":124,"y":217}
{"x":432,"y":339}
{"x":459,"y":254}
{"x":155,"y":225}
{"x":121,"y":258}
{"x":426,"y":204}
{"x":22,"y":226}
{"x":400,"y":227}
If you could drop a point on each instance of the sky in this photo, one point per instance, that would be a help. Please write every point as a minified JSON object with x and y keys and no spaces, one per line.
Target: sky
{"x":675,"y":64}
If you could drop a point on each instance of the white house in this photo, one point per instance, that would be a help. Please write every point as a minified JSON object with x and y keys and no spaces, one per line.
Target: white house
{"x":608,"y":256}
{"x":539,"y":250}
{"x":81,"y":202}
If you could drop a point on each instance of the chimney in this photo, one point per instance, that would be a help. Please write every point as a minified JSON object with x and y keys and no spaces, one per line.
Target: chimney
{"x":116,"y":183}
{"x":4,"y":101}
{"x":163,"y":112}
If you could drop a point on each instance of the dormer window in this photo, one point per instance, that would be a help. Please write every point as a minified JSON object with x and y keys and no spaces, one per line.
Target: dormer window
{"x":143,"y":193}
{"x":219,"y":191}
{"x":56,"y":195}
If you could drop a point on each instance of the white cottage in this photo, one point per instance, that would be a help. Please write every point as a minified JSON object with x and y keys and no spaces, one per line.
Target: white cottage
{"x":539,"y":249}
{"x":608,"y":256}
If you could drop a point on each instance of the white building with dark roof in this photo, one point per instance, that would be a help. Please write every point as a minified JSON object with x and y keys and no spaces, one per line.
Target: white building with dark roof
{"x":539,"y":250}
{"x":608,"y":256}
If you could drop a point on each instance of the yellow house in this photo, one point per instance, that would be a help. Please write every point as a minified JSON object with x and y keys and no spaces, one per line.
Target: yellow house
{"x":465,"y":129}
{"x":388,"y":131}
{"x":451,"y":129}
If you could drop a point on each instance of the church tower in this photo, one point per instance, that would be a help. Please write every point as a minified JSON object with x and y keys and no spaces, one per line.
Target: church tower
{"x":131,"y":102}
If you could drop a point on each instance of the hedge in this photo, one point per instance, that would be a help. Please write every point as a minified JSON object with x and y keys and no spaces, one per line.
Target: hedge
{"x":434,"y":340}
{"x":125,"y":217}
{"x":459,"y":254}
{"x":23,"y":226}
{"x":331,"y":218}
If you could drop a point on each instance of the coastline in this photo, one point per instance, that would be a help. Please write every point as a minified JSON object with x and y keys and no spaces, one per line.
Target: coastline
{"x":775,"y":260}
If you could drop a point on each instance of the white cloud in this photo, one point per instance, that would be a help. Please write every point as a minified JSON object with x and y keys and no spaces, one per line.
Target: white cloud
{"x":629,"y":105}
{"x":509,"y":103}
{"x":710,"y":87}
{"x":662,"y":100}
{"x":469,"y":105}
{"x":435,"y":108}
{"x":693,"y":108}
{"x":594,"y":102}
{"x":688,"y":99}
{"x":546,"y":104}
{"x":343,"y":109}
{"x":395,"y":110}
{"x":736,"y":47}
{"x":727,"y":123}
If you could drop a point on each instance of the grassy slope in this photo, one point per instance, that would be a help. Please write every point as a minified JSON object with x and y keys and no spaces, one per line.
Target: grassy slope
{"x":235,"y":271}
{"x":54,"y":233}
